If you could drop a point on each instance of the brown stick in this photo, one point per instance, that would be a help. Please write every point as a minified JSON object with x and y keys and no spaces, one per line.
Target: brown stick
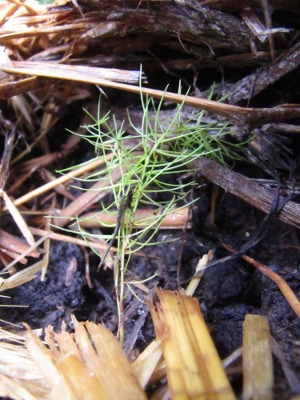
{"x":247,"y":189}
{"x":246,"y":118}
{"x":254,"y":83}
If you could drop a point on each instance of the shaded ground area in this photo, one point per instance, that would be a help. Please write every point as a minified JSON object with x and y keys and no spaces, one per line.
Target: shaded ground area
{"x":226,"y":293}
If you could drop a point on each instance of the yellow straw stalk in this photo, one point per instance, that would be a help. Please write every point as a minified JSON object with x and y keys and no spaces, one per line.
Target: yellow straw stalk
{"x":87,"y":365}
{"x":194,"y":369}
{"x":257,"y":359}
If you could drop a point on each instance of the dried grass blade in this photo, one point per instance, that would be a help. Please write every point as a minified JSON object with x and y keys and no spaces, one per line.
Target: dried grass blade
{"x":21,"y":180}
{"x":41,"y":161}
{"x":241,"y":116}
{"x":67,"y":71}
{"x":10,"y":89}
{"x":69,"y":239}
{"x":257,"y":359}
{"x":48,"y":177}
{"x":28,"y":7}
{"x":36,"y":31}
{"x":26,"y":252}
{"x":7,"y":256}
{"x":65,"y":178}
{"x":88,"y":198}
{"x":12,"y":243}
{"x":194,"y":369}
{"x":22,"y":109}
{"x":23,"y":276}
{"x":17,"y":217}
{"x":6,"y":10}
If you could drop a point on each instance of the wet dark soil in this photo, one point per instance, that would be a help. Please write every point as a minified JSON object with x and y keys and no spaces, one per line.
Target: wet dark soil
{"x":227,"y":292}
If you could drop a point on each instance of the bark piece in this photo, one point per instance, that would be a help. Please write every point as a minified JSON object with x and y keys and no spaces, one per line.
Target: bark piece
{"x":247,"y":189}
{"x":254,"y":83}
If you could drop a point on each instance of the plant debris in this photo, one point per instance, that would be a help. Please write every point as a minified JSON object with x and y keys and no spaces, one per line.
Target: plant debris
{"x":192,"y":108}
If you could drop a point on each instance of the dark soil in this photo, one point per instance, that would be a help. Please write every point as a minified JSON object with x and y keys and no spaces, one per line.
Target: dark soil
{"x":227,"y":292}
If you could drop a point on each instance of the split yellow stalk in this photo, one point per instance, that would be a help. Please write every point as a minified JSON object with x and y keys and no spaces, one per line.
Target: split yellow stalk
{"x":194,"y":369}
{"x":88,"y":364}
